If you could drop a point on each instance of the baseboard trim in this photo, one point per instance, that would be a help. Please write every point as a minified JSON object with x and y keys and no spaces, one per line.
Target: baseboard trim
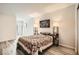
{"x":67,"y":46}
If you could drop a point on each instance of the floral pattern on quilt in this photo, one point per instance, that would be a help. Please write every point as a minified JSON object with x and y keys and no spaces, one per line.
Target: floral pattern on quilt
{"x":33,"y":43}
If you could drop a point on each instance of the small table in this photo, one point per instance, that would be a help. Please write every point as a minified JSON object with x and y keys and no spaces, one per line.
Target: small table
{"x":56,"y":39}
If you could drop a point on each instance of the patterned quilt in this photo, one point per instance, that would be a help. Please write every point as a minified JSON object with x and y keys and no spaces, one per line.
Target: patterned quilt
{"x":33,"y":43}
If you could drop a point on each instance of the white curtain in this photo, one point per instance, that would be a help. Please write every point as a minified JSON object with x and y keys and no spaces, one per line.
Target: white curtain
{"x":20,"y":27}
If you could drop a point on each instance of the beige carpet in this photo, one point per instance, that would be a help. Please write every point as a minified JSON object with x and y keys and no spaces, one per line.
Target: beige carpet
{"x":55,"y":51}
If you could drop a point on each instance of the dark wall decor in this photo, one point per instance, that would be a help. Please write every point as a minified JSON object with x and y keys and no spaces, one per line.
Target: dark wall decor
{"x":45,"y":23}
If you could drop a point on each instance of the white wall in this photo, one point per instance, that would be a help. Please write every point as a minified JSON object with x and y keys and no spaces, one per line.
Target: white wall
{"x":65,"y":19}
{"x":67,"y":27}
{"x":7,"y":34}
{"x":7,"y":27}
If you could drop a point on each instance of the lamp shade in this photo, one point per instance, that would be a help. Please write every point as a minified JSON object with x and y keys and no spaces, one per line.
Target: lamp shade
{"x":35,"y":25}
{"x":55,"y":29}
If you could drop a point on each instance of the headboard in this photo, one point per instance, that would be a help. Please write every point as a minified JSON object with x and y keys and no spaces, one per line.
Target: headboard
{"x":45,"y":33}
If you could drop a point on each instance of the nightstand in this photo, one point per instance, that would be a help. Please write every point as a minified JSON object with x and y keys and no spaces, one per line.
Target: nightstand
{"x":56,"y":39}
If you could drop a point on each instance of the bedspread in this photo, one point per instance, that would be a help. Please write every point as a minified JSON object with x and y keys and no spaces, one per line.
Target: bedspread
{"x":34,"y":42}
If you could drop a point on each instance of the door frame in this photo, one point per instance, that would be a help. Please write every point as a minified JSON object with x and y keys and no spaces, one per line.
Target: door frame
{"x":76,"y":29}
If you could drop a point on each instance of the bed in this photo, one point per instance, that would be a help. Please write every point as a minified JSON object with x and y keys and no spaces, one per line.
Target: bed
{"x":35,"y":43}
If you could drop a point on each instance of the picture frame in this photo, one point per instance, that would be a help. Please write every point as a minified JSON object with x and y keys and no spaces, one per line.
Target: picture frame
{"x":45,"y":23}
